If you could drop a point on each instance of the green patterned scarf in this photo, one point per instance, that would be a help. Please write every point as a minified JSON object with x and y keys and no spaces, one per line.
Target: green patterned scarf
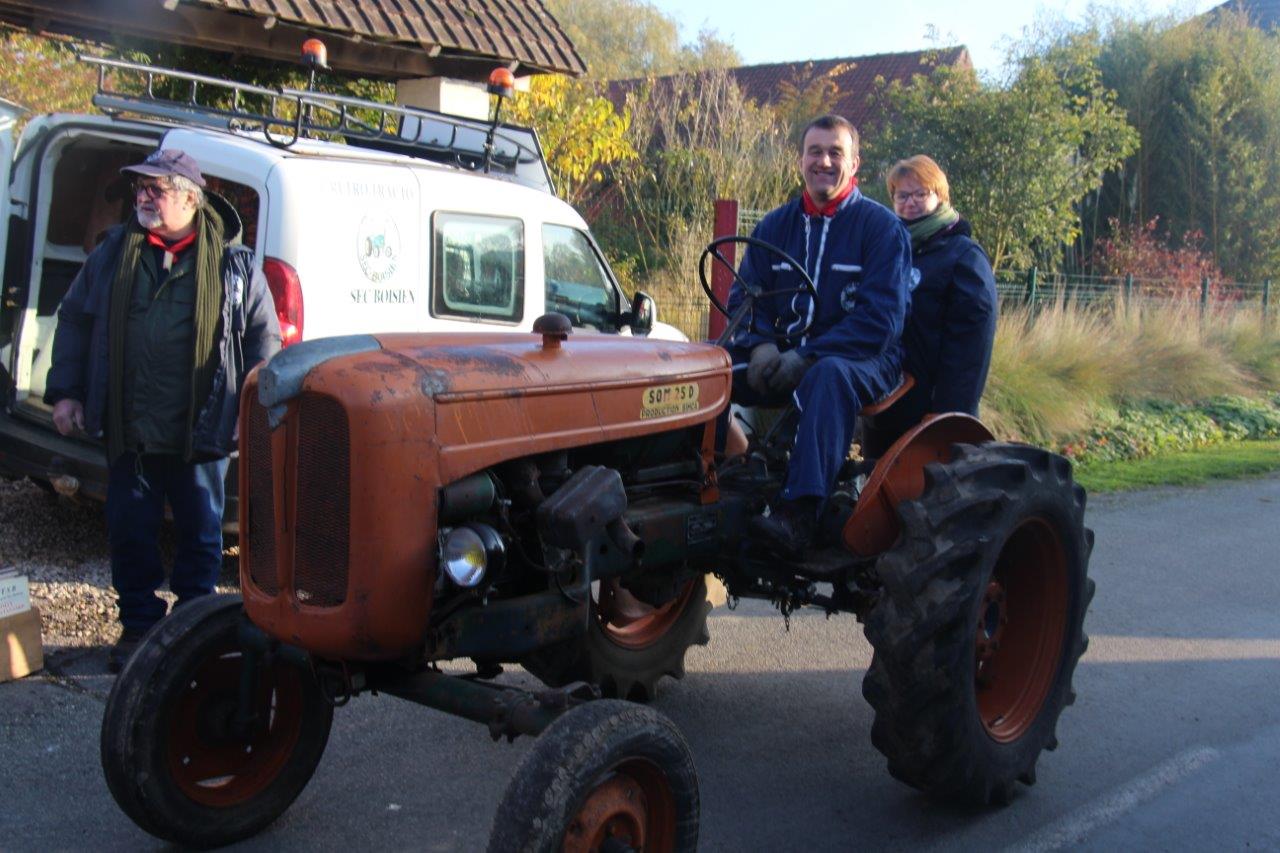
{"x":208,"y":313}
{"x":926,"y":226}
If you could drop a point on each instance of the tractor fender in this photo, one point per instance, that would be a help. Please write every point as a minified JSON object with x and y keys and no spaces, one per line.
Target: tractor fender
{"x":899,"y":476}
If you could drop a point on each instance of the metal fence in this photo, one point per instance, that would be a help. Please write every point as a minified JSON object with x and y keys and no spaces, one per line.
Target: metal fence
{"x":688,"y":309}
{"x":1034,"y":287}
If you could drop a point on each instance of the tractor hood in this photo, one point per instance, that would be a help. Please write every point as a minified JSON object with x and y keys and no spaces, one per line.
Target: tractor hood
{"x":484,"y":398}
{"x":342,"y":464}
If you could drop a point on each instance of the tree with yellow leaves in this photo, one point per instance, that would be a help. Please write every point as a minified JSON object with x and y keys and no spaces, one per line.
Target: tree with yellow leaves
{"x":580,"y":131}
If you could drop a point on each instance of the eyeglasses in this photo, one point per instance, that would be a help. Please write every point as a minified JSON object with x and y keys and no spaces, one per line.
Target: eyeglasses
{"x":918,"y":195}
{"x":150,"y":189}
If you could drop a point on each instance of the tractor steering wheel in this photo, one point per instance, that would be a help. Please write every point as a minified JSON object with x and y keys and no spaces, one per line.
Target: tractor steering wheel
{"x":752,"y":291}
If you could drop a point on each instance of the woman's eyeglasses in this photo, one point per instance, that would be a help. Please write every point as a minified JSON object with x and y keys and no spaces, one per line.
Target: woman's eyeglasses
{"x":918,"y":195}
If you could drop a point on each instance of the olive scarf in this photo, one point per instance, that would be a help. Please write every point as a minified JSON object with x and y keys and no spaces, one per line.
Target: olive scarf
{"x":209,"y":246}
{"x":925,"y":227}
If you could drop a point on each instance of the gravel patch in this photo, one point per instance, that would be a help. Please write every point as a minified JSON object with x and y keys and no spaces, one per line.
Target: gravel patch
{"x":61,"y":546}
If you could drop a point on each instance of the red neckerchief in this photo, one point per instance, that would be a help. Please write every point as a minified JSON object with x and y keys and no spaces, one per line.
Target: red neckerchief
{"x":171,"y":250}
{"x":811,"y":208}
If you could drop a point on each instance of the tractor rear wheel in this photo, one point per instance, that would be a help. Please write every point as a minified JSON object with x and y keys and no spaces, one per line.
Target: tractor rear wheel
{"x":629,"y":645}
{"x":979,"y":626}
{"x":176,"y":757}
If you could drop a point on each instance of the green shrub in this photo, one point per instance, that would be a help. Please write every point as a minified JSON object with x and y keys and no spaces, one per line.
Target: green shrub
{"x":1245,"y":418}
{"x":1152,"y":427}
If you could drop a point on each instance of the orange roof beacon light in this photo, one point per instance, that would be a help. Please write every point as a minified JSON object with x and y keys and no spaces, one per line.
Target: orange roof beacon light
{"x":314,"y":55}
{"x":502,"y":84}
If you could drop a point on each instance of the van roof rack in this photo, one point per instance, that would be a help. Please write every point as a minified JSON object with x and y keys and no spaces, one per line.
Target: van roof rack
{"x":284,"y":115}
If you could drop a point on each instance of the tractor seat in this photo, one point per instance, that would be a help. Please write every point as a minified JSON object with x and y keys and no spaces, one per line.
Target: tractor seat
{"x":904,"y":385}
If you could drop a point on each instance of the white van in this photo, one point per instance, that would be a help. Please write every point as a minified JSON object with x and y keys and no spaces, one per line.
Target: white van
{"x":396,"y":219}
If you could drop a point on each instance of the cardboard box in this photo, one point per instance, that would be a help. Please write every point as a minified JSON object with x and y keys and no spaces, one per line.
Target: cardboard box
{"x":15,"y":594}
{"x":21,"y":650}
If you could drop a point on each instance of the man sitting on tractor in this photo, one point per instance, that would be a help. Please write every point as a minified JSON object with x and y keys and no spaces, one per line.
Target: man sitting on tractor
{"x":832,"y":355}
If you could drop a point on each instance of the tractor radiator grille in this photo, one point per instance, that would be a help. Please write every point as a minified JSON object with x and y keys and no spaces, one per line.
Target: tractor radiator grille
{"x":322,"y":519}
{"x":260,"y":541}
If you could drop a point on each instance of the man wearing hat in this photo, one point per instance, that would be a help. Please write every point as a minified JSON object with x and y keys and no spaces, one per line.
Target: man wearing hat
{"x":154,"y":339}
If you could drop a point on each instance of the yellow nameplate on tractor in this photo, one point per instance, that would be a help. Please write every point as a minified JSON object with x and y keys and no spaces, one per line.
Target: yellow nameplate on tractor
{"x":669,"y":400}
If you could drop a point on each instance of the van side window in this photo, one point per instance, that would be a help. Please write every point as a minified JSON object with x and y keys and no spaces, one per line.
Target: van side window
{"x":577,"y":284}
{"x":477,"y":268}
{"x":244,"y":199}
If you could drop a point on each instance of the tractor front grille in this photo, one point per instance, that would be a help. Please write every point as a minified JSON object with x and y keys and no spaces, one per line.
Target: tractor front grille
{"x":322,"y":519}
{"x":260,"y":538}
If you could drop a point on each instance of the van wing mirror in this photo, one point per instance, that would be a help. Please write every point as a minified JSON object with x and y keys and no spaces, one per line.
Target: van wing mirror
{"x":643,"y":313}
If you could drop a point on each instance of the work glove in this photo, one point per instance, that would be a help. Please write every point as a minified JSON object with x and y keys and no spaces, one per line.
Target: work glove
{"x":764,"y":361}
{"x":789,"y":372}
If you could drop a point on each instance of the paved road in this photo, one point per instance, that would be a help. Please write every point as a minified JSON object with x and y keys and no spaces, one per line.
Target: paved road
{"x":1174,"y":743}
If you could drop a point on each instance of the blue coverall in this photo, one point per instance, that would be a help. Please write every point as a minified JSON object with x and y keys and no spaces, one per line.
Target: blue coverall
{"x":860,"y":261}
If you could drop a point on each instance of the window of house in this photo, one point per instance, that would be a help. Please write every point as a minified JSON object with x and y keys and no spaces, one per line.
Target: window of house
{"x":577,"y":284}
{"x":477,"y":267}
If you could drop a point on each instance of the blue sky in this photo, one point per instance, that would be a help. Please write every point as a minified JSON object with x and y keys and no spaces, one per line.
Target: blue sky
{"x":820,"y":29}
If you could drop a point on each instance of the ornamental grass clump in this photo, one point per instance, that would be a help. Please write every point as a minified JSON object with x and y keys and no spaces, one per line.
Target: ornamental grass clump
{"x":1050,"y":372}
{"x":1102,"y":381}
{"x":1251,"y":344}
{"x":1170,"y":355}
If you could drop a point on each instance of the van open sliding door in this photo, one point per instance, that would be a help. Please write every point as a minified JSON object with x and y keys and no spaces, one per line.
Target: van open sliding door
{"x":74,"y":194}
{"x":9,"y":293}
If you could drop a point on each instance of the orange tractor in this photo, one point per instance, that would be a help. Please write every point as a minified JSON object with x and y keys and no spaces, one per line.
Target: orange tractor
{"x":557,"y":502}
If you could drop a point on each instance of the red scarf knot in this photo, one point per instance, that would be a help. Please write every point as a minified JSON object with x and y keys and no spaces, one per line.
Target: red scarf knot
{"x":171,"y":250}
{"x":829,"y":209}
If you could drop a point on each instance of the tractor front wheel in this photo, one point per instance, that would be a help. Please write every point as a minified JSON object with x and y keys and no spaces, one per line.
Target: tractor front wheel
{"x":607,"y":775}
{"x":180,"y":756}
{"x":629,"y":645}
{"x":979,"y":626}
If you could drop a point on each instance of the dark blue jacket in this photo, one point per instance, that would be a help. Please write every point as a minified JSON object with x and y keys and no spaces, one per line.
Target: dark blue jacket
{"x":249,"y":333}
{"x":860,"y":261}
{"x":952,"y":325}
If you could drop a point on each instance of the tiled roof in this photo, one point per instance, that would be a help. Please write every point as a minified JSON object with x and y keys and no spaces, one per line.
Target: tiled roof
{"x":1264,"y":14}
{"x":519,"y":30}
{"x":854,"y":76}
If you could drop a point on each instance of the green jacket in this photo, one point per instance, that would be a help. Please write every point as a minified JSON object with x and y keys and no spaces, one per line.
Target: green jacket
{"x":158,"y":351}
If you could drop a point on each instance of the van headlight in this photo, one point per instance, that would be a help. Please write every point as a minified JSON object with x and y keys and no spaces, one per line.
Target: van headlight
{"x":469,"y":553}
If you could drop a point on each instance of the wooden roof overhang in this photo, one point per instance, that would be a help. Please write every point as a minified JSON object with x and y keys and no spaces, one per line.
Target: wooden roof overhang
{"x":392,"y":39}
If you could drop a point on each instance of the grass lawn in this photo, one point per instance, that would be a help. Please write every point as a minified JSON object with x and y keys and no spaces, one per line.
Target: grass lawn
{"x":1188,"y":468}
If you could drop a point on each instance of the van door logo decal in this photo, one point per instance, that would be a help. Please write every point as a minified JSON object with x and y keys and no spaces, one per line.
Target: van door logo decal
{"x":378,"y":247}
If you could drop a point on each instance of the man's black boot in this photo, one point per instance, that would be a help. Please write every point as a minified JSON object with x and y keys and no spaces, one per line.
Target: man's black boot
{"x":120,"y":653}
{"x":789,"y":529}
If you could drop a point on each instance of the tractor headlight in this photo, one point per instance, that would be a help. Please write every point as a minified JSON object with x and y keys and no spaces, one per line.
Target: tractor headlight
{"x":468,"y":553}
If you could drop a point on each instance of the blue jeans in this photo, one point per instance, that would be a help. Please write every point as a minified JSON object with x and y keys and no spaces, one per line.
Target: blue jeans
{"x":136,"y":492}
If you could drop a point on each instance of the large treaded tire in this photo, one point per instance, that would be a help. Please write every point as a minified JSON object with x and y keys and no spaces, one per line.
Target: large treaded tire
{"x":172,"y":761}
{"x":628,"y":667}
{"x":979,"y":626}
{"x":605,"y":770}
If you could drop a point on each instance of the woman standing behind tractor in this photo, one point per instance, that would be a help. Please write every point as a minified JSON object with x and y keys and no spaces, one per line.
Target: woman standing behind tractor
{"x":948,"y":337}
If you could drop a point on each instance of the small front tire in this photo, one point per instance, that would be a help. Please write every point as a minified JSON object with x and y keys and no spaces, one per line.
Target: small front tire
{"x":606,"y":775}
{"x":174,"y":757}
